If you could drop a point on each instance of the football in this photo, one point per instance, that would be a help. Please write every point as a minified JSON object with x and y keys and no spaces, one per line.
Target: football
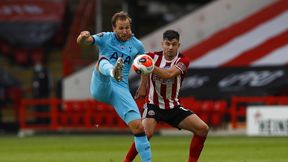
{"x":143,"y":64}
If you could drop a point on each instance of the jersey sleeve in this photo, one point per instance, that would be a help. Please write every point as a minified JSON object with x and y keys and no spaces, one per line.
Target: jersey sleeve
{"x":151,"y":54}
{"x":183,"y":64}
{"x":141,"y":49}
{"x":99,"y":38}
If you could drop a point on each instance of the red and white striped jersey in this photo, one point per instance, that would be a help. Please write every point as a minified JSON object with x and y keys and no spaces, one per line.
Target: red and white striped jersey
{"x":164,"y":92}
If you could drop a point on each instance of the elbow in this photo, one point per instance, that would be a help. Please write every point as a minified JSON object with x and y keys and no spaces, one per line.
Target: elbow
{"x":165,"y":74}
{"x":78,"y":41}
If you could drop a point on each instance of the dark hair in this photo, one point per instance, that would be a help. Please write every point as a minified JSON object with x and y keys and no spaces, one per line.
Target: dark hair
{"x":171,"y":34}
{"x":120,"y":16}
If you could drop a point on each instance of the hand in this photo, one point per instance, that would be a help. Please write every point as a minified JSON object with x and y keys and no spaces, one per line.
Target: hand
{"x":83,"y":38}
{"x":140,"y":93}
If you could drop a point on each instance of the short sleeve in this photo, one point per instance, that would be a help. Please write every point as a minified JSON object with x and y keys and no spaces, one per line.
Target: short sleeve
{"x":141,"y":48}
{"x":183,"y":64}
{"x":98,"y":38}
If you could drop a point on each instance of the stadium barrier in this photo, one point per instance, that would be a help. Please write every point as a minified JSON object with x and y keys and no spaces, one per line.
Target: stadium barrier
{"x":92,"y":115}
{"x":239,"y":105}
{"x":210,"y":111}
{"x":84,"y":114}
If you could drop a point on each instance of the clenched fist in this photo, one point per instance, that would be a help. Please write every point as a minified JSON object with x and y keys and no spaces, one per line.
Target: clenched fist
{"x":84,"y":38}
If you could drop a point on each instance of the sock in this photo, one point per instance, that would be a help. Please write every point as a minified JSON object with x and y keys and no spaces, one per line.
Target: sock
{"x":196,"y":146}
{"x":143,"y":147}
{"x":132,"y":153}
{"x":105,"y":67}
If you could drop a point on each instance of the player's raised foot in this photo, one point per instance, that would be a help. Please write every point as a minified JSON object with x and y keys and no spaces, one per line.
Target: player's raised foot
{"x":117,"y":70}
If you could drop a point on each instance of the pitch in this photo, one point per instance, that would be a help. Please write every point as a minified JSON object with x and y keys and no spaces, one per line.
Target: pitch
{"x":112,"y":148}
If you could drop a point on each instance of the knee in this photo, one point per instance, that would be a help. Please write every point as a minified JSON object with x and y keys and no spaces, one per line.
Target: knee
{"x":93,"y":93}
{"x":136,"y":127}
{"x":149,"y":134}
{"x":203,"y":130}
{"x":96,"y":94}
{"x":93,"y":89}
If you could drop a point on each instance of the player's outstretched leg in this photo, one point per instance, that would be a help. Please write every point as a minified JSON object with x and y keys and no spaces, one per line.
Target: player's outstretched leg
{"x":107,"y":69}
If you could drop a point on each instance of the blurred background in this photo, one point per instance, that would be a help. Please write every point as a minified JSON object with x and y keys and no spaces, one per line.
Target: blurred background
{"x":238,"y":52}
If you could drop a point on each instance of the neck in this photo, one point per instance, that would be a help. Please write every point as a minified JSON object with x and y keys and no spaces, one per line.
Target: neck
{"x":169,"y":58}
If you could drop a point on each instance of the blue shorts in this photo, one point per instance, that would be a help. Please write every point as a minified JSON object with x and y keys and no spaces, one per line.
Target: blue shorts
{"x":104,"y":89}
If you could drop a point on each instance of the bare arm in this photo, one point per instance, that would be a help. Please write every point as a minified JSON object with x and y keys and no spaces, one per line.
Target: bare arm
{"x":85,"y":38}
{"x":142,"y":89}
{"x":167,"y":73}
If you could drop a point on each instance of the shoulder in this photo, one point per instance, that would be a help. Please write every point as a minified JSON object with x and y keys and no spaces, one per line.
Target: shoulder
{"x":183,"y":58}
{"x":182,"y":63}
{"x":136,"y":41}
{"x":103,"y":35}
{"x":158,"y":53}
{"x":137,"y":44}
{"x":155,"y":54}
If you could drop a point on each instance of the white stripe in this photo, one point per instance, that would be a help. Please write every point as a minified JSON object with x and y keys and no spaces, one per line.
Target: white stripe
{"x":160,"y":99}
{"x":156,"y":57}
{"x":151,"y":91}
{"x":169,"y":94}
{"x":242,"y":43}
{"x":178,"y":86}
{"x":278,"y":56}
{"x":158,"y":85}
{"x":168,"y":90}
{"x":162,"y":63}
{"x":178,"y":80}
{"x":174,"y":62}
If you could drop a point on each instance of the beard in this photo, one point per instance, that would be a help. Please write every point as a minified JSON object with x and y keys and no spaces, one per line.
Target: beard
{"x":124,"y":37}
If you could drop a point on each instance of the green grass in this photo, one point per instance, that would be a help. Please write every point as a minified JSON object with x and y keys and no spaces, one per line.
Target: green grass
{"x":86,"y":148}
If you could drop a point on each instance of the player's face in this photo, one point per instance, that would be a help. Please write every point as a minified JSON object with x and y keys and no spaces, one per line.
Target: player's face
{"x":170,"y":48}
{"x":122,"y":29}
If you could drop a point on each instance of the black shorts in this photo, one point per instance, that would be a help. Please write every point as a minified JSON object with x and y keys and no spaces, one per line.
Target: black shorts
{"x":172,"y":116}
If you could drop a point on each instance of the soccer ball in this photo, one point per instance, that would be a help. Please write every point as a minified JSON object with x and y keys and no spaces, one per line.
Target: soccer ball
{"x":143,"y":64}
